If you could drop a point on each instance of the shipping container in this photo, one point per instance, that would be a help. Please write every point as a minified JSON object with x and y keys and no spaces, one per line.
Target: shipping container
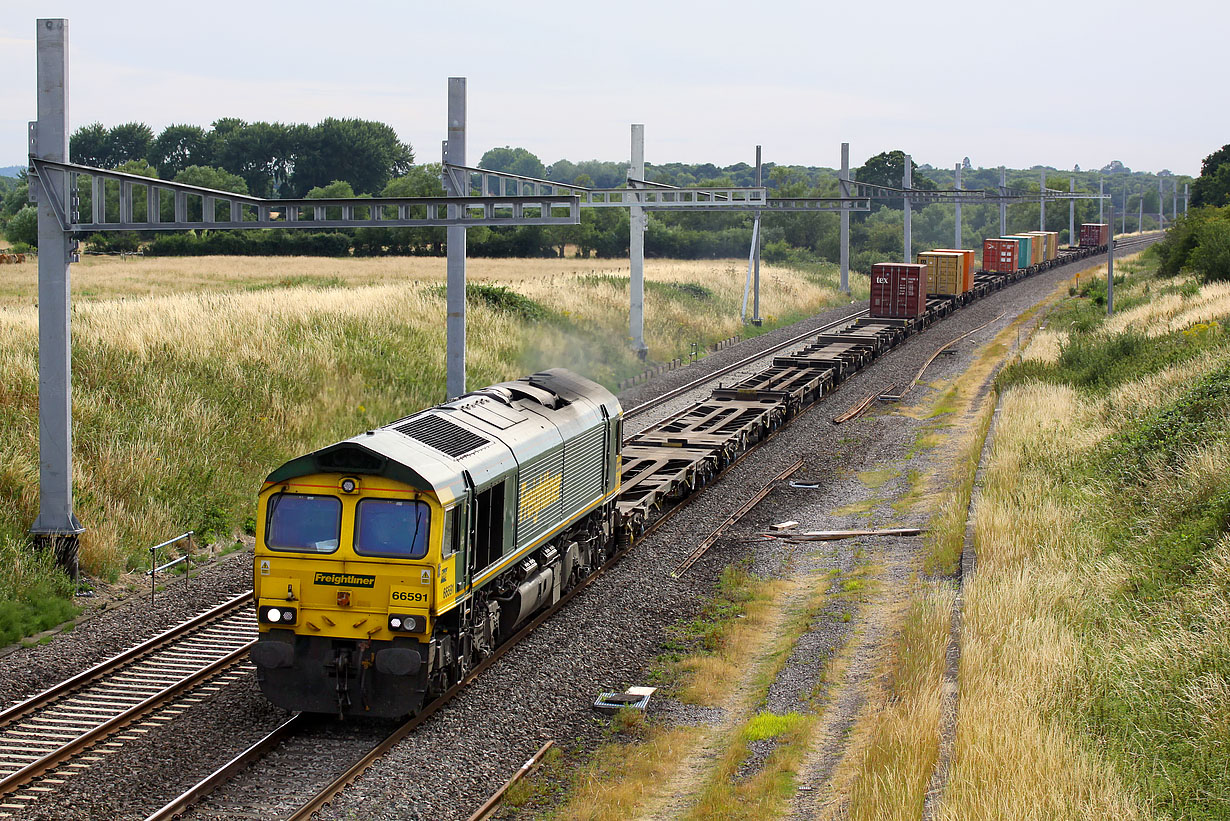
{"x":1053,"y":239}
{"x":1094,"y":234}
{"x":1000,"y":255}
{"x":897,"y":290}
{"x":945,"y":272}
{"x":1024,"y":256}
{"x":1037,"y":251}
{"x":970,"y":263}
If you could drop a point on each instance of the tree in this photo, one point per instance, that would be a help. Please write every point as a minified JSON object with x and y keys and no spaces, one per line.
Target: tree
{"x":1115,"y":167}
{"x":88,"y":146}
{"x":264,"y":154}
{"x":514,"y":161}
{"x":215,"y":178}
{"x":1212,"y":187}
{"x":181,"y":146}
{"x":888,"y":169}
{"x":129,"y":141}
{"x":364,"y":153}
{"x":208,"y":177}
{"x":23,"y":227}
{"x":338,"y":189}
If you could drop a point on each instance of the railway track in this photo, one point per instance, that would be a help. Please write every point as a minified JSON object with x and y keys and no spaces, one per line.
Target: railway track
{"x":103,"y":725}
{"x":57,"y":733}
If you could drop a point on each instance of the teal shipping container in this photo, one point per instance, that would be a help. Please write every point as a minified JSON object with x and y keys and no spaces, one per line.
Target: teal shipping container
{"x":1024,"y":256}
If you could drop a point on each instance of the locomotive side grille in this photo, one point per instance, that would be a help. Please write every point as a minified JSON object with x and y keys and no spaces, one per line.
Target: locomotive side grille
{"x":441,"y":434}
{"x":584,"y":467}
{"x":539,"y":486}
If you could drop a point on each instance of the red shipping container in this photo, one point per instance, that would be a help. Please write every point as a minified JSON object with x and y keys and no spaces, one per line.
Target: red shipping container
{"x":1000,"y":255}
{"x":1094,"y":234}
{"x":898,"y":290}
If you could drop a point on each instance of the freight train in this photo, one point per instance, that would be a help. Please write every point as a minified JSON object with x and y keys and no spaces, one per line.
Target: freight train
{"x":391,"y":563}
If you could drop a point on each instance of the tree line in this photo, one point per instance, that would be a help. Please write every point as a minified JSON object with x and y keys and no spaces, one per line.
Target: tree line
{"x":365,"y":158}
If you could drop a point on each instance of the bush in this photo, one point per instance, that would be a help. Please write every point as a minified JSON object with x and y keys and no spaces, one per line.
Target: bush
{"x":259,"y":242}
{"x":23,"y":227}
{"x":1178,"y":251}
{"x":1211,"y":256}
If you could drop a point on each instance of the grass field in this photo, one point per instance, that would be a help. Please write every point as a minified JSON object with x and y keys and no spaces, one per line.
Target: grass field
{"x":193,"y":378}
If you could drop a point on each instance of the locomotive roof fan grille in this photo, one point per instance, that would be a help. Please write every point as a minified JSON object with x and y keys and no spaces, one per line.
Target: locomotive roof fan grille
{"x":442,"y":435}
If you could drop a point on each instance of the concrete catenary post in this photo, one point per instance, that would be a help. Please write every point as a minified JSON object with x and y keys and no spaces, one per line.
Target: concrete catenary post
{"x":1071,"y":210}
{"x":756,"y":249}
{"x":1140,"y":217}
{"x":906,"y":183}
{"x":1110,"y":265}
{"x":843,"y":189}
{"x":1185,"y":199}
{"x":56,"y":528}
{"x":1042,"y":201}
{"x":1101,"y":202}
{"x":1161,"y":204}
{"x":455,"y":297}
{"x":1003,"y":205}
{"x":957,"y":186}
{"x":636,"y":248}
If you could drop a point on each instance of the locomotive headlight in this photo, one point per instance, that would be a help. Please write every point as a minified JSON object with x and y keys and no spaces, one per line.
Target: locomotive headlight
{"x":278,"y":615}
{"x":399,"y":622}
{"x":349,"y":485}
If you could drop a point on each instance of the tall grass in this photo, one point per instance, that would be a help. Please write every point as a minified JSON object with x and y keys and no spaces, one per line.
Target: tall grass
{"x":1095,"y":670}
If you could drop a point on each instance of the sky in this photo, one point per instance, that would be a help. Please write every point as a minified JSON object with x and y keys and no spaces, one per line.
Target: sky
{"x":1016,"y":84}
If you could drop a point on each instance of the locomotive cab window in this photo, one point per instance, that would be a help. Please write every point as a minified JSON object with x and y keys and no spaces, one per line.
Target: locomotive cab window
{"x":302,"y":523}
{"x":452,"y":533}
{"x":392,"y":528}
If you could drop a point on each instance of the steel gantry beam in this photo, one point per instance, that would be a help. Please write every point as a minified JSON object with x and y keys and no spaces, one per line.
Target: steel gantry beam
{"x":141,"y":199}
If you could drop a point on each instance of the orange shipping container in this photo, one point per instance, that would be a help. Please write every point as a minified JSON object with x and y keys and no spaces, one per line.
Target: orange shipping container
{"x":945,"y":272}
{"x":970,"y":263}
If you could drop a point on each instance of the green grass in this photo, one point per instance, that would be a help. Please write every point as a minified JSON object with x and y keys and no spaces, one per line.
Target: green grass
{"x":1153,"y":691}
{"x":763,"y":726}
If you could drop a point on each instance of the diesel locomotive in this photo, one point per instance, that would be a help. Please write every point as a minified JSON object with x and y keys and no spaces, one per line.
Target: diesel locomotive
{"x":389,"y":564}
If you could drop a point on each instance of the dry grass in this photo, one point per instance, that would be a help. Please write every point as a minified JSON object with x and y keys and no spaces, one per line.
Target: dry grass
{"x":1010,"y":759}
{"x":621,"y":778}
{"x":901,"y":746}
{"x":1173,"y":312}
{"x":1045,"y":346}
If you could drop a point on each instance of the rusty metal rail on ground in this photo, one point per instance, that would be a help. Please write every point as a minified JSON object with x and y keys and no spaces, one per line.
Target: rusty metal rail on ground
{"x":711,"y":539}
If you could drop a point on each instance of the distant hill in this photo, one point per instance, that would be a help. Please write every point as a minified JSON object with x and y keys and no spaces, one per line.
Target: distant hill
{"x":10,"y":170}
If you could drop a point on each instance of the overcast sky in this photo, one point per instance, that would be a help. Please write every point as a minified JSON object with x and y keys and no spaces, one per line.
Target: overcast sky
{"x":1017,"y":84}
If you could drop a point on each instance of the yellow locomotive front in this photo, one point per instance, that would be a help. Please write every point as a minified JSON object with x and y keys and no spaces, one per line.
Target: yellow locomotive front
{"x":351,"y":572}
{"x":389,"y":564}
